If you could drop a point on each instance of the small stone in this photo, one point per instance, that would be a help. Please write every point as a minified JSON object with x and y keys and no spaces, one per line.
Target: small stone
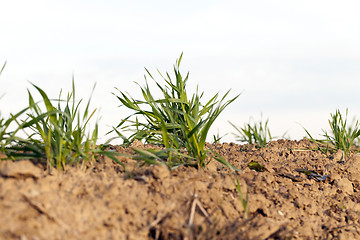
{"x":136,"y":144}
{"x":338,"y":156}
{"x":335,"y":176}
{"x":19,"y":169}
{"x":345,"y":185}
{"x":160,"y":171}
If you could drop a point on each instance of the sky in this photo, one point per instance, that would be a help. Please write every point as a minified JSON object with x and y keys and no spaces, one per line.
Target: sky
{"x":294,"y":62}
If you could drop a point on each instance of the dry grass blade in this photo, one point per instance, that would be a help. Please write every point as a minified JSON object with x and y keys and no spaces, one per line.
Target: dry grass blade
{"x":197,"y":203}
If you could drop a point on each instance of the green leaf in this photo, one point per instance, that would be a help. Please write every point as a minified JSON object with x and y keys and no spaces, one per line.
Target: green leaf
{"x":253,"y":165}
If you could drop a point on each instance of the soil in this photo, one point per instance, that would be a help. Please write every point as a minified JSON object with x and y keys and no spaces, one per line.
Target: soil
{"x":150,"y":202}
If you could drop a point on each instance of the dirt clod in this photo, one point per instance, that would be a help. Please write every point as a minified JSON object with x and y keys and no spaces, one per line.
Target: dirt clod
{"x":19,"y":169}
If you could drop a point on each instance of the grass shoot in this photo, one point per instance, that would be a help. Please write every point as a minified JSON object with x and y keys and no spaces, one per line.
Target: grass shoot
{"x":54,"y":133}
{"x":341,"y":137}
{"x":176,"y":120}
{"x":253,"y":133}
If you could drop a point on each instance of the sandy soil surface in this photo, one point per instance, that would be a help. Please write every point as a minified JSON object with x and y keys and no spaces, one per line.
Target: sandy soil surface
{"x":151,"y":202}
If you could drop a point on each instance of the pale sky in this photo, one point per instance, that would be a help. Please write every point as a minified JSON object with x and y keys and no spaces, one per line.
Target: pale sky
{"x":294,"y":61}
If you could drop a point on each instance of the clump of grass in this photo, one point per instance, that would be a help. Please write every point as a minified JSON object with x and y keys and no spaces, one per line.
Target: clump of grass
{"x":253,"y":132}
{"x":176,"y":120}
{"x":58,"y":135}
{"x":341,"y":137}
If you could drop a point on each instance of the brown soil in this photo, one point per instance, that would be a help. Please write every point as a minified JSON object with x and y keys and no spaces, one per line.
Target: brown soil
{"x":152,"y":203}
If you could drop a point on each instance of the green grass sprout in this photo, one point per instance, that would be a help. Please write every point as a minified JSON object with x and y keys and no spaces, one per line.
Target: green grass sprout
{"x":253,"y":132}
{"x":341,"y":137}
{"x":244,"y":201}
{"x":55,"y":134}
{"x":176,"y":120}
{"x":217,"y":138}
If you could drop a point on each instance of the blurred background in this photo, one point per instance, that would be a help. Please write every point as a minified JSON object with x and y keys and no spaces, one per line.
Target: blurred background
{"x":293,"y":61}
